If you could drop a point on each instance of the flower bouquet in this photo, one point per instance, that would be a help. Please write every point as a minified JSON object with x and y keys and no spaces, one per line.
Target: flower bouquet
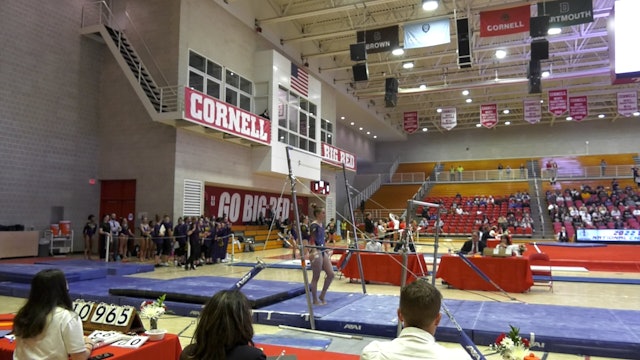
{"x":511,"y":346}
{"x":153,"y":310}
{"x":521,"y":249}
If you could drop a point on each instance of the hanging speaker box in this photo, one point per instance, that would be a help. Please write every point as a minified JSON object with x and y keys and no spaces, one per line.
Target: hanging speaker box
{"x":360,"y":72}
{"x":539,"y":49}
{"x":538,"y":26}
{"x":358,"y":52}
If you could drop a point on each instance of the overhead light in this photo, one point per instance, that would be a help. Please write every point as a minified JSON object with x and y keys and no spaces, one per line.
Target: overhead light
{"x":501,"y":54}
{"x":375,"y":136}
{"x":341,"y":117}
{"x":438,"y":110}
{"x":478,"y":125}
{"x":541,"y":101}
{"x":368,"y":132}
{"x":352,"y":123}
{"x":601,"y":116}
{"x":554,"y":31}
{"x":505,"y":111}
{"x":429,"y":5}
{"x":360,"y":129}
{"x":545,"y":74}
{"x":569,"y":118}
{"x":469,"y":100}
{"x":398,"y":51}
{"x":423,"y":87}
{"x":407,"y":65}
{"x":465,"y":92}
{"x":424,"y":129}
{"x":636,"y":113}
{"x":507,"y":122}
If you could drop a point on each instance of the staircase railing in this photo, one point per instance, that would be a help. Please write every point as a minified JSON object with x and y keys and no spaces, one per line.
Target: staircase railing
{"x":164,"y":98}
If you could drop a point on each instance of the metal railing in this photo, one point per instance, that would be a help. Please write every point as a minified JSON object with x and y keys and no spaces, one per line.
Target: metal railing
{"x":481,"y":175}
{"x":412,"y":177}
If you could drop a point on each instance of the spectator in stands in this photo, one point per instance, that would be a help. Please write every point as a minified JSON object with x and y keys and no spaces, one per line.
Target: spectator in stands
{"x":460,"y":169}
{"x":636,"y":175}
{"x":46,"y":327}
{"x":500,"y":169}
{"x":473,"y":245}
{"x":420,"y":315}
{"x":369,"y":227}
{"x":603,"y":167}
{"x":522,"y":172}
{"x":562,"y":235}
{"x":507,"y":171}
{"x":618,"y":224}
{"x":452,"y":173}
{"x":224,"y":331}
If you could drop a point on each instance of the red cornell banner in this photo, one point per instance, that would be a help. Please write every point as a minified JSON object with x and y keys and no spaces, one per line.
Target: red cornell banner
{"x":410,"y":121}
{"x":247,"y":206}
{"x":578,"y":107}
{"x":210,"y":112}
{"x":489,"y":115}
{"x":558,"y":101}
{"x":505,"y":21}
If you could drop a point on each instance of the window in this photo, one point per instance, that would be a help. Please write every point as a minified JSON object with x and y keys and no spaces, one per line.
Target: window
{"x":326,"y":132}
{"x":224,"y":84}
{"x":296,"y":120}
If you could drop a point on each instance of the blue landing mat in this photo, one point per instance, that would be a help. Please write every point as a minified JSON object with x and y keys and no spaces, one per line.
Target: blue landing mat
{"x":574,"y":330}
{"x":291,"y":341}
{"x":23,"y":273}
{"x":199,"y":289}
{"x":113,"y":268}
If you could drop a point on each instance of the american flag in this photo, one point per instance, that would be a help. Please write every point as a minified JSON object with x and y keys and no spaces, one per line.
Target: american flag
{"x":299,"y":80}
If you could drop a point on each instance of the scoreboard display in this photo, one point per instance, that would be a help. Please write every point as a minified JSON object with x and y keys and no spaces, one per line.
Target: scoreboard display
{"x":320,"y":187}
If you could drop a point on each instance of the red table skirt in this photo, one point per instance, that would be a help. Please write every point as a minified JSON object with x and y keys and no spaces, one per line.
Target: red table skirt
{"x":385,"y":268}
{"x":512,"y":274}
{"x":303,"y":354}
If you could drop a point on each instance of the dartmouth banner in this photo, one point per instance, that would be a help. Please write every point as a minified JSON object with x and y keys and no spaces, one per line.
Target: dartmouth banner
{"x":567,"y":12}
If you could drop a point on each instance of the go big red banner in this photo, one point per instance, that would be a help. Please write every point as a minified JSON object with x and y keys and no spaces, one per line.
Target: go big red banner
{"x":244,"y":206}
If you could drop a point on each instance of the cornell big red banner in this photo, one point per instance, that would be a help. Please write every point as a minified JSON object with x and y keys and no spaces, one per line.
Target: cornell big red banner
{"x":448,"y":118}
{"x":532,"y":111}
{"x":489,"y":115}
{"x":558,"y":101}
{"x":505,"y":21}
{"x":410,"y":121}
{"x":578,"y":107}
{"x":244,"y":206}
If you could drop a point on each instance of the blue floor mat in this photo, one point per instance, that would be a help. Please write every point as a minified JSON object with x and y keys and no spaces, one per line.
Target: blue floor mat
{"x":23,"y":273}
{"x":199,"y":289}
{"x":113,"y":268}
{"x":291,"y":341}
{"x":592,"y":280}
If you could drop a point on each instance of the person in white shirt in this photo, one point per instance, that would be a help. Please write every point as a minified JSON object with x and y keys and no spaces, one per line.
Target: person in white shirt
{"x":46,"y":327}
{"x":420,"y":315}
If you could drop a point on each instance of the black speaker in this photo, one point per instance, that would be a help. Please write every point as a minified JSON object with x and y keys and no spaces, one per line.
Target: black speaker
{"x":538,"y":26}
{"x":391,"y":86}
{"x":464,"y":43}
{"x":535,"y":77}
{"x":358,"y":52}
{"x":390,"y":99}
{"x":539,"y":49}
{"x":360,"y":72}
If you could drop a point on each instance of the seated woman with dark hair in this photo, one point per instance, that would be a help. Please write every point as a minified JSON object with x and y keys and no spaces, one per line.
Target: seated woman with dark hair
{"x":47,"y":327}
{"x":225,"y":330}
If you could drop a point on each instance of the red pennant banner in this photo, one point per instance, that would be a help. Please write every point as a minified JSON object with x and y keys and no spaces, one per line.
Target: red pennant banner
{"x":558,"y":101}
{"x":505,"y":21}
{"x":532,"y":111}
{"x":448,"y":118}
{"x":488,"y":115}
{"x":627,"y":103}
{"x":410,"y":121}
{"x":578,"y":107}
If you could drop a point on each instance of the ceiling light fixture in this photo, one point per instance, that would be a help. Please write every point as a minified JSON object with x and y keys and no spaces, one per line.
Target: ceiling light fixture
{"x":601,"y":116}
{"x":352,"y":123}
{"x":375,"y":136}
{"x":501,"y":54}
{"x":438,"y":110}
{"x":469,"y":100}
{"x":636,"y":113}
{"x":569,"y":118}
{"x":429,"y":5}
{"x":424,"y":129}
{"x":398,"y":51}
{"x":423,"y":87}
{"x":545,"y":74}
{"x":341,"y":117}
{"x":360,"y":129}
{"x":407,"y":65}
{"x":507,"y":122}
{"x":465,"y":92}
{"x":478,"y":125}
{"x":506,"y":111}
{"x":554,"y":31}
{"x":368,"y":132}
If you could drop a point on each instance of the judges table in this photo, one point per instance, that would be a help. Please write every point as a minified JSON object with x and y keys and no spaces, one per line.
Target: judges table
{"x":304,"y":354}
{"x":384,"y":268}
{"x":167,"y":348}
{"x":512,"y":274}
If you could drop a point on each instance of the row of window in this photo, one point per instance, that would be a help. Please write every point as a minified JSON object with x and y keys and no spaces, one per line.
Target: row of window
{"x":297,"y":116}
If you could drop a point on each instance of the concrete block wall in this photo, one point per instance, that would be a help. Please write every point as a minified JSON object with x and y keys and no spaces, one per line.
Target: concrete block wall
{"x":48,"y":114}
